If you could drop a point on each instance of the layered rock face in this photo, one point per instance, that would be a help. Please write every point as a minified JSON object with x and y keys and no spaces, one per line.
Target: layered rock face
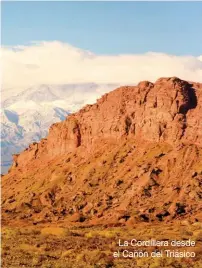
{"x":134,"y":155}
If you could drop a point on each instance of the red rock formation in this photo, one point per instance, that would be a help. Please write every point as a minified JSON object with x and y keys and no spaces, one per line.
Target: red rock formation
{"x":166,"y":114}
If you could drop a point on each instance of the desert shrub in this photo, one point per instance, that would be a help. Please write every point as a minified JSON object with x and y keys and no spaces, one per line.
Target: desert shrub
{"x":58,"y":231}
{"x":198,"y":235}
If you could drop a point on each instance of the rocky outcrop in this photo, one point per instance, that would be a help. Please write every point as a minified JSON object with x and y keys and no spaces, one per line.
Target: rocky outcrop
{"x":169,"y":110}
{"x":135,"y":147}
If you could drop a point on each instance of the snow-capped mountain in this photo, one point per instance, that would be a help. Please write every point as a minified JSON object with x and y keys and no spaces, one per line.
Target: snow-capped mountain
{"x":27,"y":116}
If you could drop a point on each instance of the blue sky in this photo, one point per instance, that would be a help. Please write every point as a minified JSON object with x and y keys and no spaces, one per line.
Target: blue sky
{"x":107,"y":27}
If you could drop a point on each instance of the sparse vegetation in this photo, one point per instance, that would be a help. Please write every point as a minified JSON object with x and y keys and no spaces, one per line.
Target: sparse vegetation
{"x":75,"y":247}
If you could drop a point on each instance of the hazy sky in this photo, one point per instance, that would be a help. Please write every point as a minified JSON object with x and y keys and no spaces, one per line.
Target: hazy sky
{"x":100,"y":42}
{"x":107,"y":27}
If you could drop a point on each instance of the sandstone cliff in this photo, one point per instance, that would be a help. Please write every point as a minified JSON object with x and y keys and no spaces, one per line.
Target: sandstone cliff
{"x":134,"y":155}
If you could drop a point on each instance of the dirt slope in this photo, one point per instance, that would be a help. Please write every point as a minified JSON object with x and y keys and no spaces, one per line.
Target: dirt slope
{"x":135,"y":155}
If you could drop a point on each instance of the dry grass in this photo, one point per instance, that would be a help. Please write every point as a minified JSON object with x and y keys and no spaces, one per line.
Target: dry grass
{"x":55,"y":231}
{"x":61,"y":247}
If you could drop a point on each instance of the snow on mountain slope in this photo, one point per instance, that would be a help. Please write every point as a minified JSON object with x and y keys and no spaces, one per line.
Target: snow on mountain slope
{"x":27,"y":116}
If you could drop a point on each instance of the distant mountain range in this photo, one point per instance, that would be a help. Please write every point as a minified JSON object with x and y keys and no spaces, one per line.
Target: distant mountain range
{"x":27,"y":116}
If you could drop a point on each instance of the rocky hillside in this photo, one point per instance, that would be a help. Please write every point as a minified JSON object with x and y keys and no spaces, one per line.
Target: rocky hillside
{"x":135,"y":155}
{"x":27,"y":115}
